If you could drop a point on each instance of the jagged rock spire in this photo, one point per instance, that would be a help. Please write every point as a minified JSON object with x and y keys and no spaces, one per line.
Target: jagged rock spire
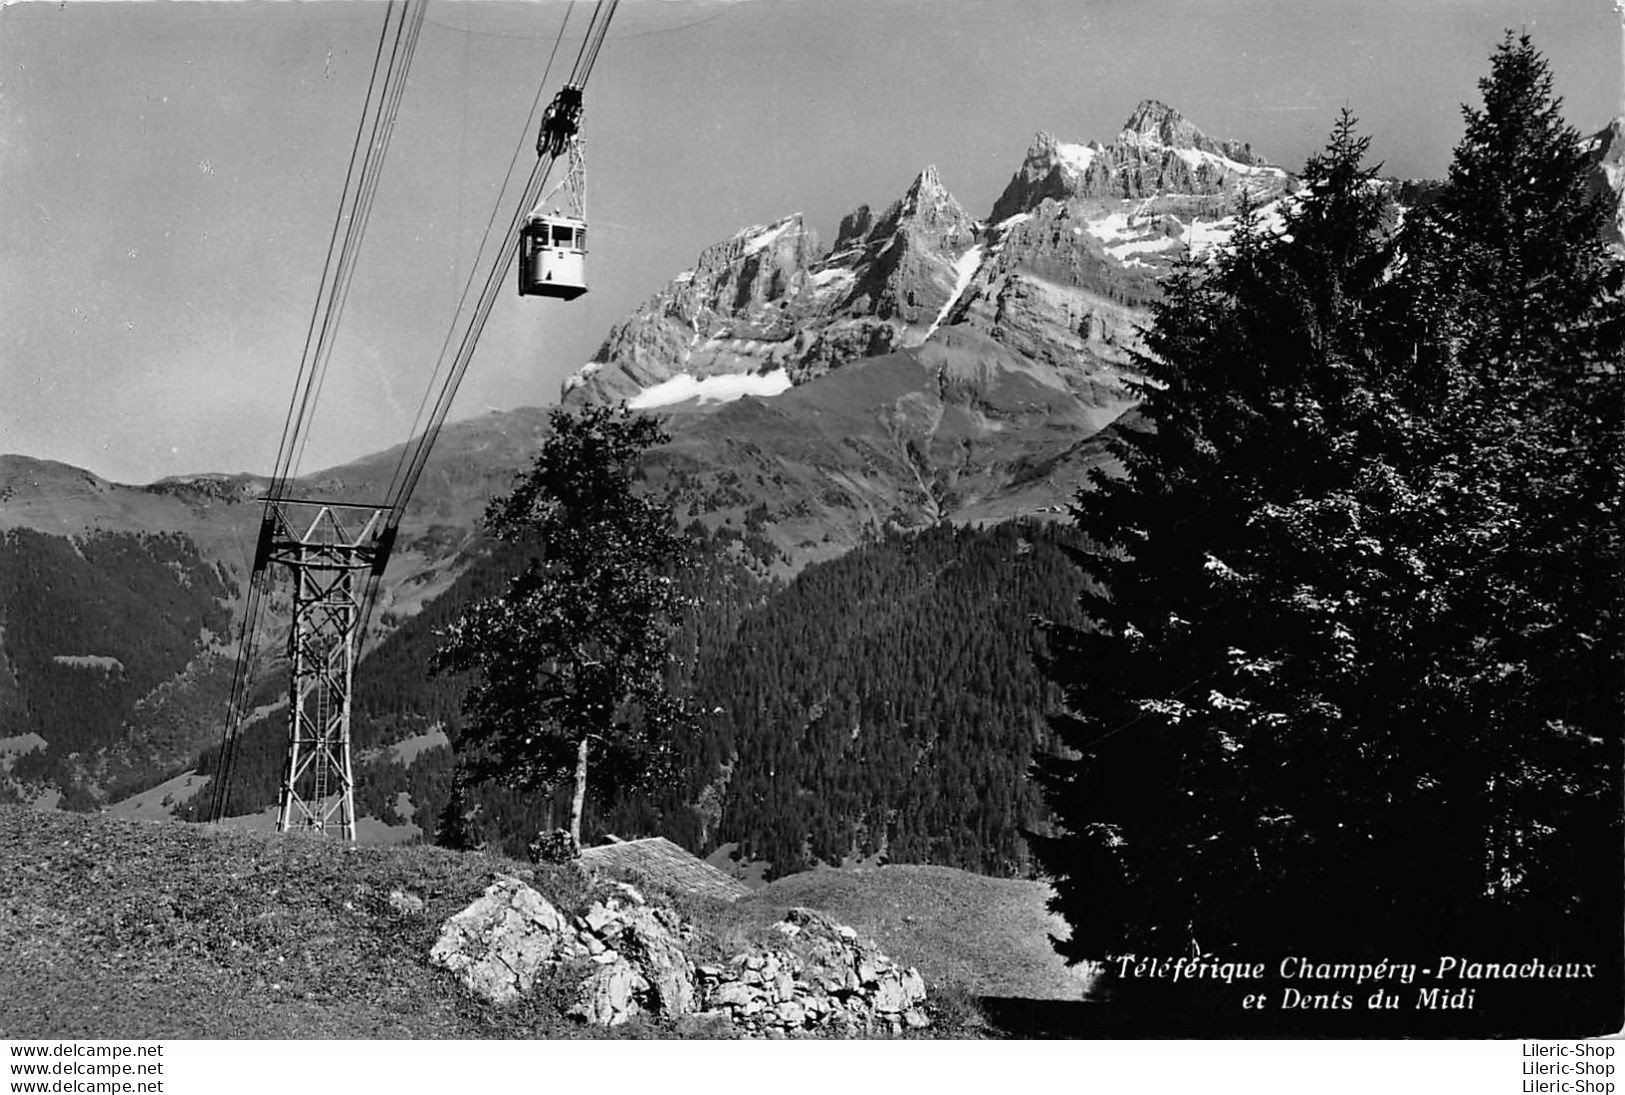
{"x":1158,"y":150}
{"x":1164,"y":125}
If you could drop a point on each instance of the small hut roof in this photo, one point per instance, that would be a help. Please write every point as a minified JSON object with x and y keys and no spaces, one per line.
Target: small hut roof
{"x":665,"y":864}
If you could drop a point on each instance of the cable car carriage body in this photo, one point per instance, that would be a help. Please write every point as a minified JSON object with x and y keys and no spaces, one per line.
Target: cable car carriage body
{"x":553,"y":256}
{"x":553,"y":244}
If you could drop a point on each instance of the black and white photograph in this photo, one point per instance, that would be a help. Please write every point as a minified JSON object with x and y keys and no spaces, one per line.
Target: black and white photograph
{"x":860,"y":521}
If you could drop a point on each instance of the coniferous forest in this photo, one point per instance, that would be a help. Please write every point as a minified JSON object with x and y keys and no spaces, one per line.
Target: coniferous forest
{"x":884,"y":704}
{"x":93,"y":625}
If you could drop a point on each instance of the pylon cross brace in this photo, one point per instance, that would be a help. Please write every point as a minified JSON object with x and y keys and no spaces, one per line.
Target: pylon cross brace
{"x":329,"y":549}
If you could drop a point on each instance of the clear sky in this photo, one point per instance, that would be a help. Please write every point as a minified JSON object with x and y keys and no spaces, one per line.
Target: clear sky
{"x":169,"y":172}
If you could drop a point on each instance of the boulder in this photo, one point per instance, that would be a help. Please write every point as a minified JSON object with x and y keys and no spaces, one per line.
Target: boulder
{"x":660,"y":959}
{"x":731,"y":994}
{"x":599,"y":919}
{"x":630,"y":892}
{"x":496,"y":946}
{"x":888,"y":997}
{"x":608,"y":997}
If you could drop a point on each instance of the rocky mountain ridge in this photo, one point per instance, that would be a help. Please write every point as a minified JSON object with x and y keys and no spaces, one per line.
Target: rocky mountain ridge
{"x":1158,"y":153}
{"x":769,"y":307}
{"x":1607,"y":149}
{"x":929,"y":365}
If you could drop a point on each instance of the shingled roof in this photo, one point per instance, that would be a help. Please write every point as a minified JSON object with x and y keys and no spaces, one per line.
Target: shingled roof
{"x":664,"y":864}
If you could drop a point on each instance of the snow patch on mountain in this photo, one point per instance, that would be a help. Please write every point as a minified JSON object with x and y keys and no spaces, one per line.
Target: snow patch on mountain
{"x":1076,"y":157}
{"x":1112,"y":228}
{"x":830,"y":275}
{"x":759,"y":236}
{"x":710,"y":389}
{"x":1128,"y":231}
{"x":1197,"y":158}
{"x":965,"y":267}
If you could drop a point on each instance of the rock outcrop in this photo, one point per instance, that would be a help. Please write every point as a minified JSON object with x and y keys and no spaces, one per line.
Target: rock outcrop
{"x":630,"y":958}
{"x":930,"y":366}
{"x":1093,"y":223}
{"x":734,"y":312}
{"x":768,"y":299}
{"x":498,"y":944}
{"x":1607,"y":150}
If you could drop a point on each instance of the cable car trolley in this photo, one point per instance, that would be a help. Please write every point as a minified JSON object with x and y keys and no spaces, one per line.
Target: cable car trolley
{"x":553,"y":240}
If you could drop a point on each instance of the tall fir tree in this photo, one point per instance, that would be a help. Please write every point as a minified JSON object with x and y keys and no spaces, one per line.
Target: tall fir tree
{"x":1208,"y":700}
{"x":1365,"y":549}
{"x":1517,"y":332}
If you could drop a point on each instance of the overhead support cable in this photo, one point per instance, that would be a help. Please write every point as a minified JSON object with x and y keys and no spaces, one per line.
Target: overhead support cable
{"x":403,"y":23}
{"x":402,"y":27}
{"x":383,"y":129}
{"x":284,"y":446}
{"x":414,"y":456}
{"x":530,"y":124}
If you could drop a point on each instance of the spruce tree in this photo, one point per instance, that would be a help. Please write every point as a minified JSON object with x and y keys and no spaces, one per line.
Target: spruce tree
{"x":1207,"y":702}
{"x":1351,"y":679}
{"x":1517,"y":331}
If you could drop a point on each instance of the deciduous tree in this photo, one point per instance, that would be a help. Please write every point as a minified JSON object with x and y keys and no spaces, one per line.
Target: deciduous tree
{"x":570,"y":662}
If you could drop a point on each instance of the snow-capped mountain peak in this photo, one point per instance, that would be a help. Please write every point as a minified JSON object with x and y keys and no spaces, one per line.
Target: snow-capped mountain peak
{"x":1157,"y":152}
{"x":1070,"y":249}
{"x":1158,"y":125}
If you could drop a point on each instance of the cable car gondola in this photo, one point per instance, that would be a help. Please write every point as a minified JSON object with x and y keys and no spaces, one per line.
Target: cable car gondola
{"x":553,"y":256}
{"x":553,"y":245}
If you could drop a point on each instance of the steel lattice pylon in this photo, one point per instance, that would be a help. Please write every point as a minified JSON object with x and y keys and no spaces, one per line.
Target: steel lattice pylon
{"x":331,"y":550}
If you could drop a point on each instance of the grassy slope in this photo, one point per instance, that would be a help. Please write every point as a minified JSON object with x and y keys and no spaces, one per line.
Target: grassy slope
{"x":121,"y":928}
{"x":988,"y":936}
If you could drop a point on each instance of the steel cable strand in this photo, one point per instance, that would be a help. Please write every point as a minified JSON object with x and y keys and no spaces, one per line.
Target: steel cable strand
{"x":468,"y":283}
{"x":284,"y":449}
{"x":383,"y":121}
{"x":242,"y":668}
{"x":592,"y":41}
{"x":372,"y":172}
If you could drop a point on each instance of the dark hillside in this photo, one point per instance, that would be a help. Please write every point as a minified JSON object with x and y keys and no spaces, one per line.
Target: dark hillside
{"x":398,"y":696}
{"x":886,"y":704}
{"x":91,"y":629}
{"x":882,"y":704}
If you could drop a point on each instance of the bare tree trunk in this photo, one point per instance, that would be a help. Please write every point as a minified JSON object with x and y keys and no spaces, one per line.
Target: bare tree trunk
{"x":581,"y":791}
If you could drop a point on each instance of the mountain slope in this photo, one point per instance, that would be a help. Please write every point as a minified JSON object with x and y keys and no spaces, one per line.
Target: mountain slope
{"x":928,"y":366}
{"x":118,"y":604}
{"x":1607,"y":149}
